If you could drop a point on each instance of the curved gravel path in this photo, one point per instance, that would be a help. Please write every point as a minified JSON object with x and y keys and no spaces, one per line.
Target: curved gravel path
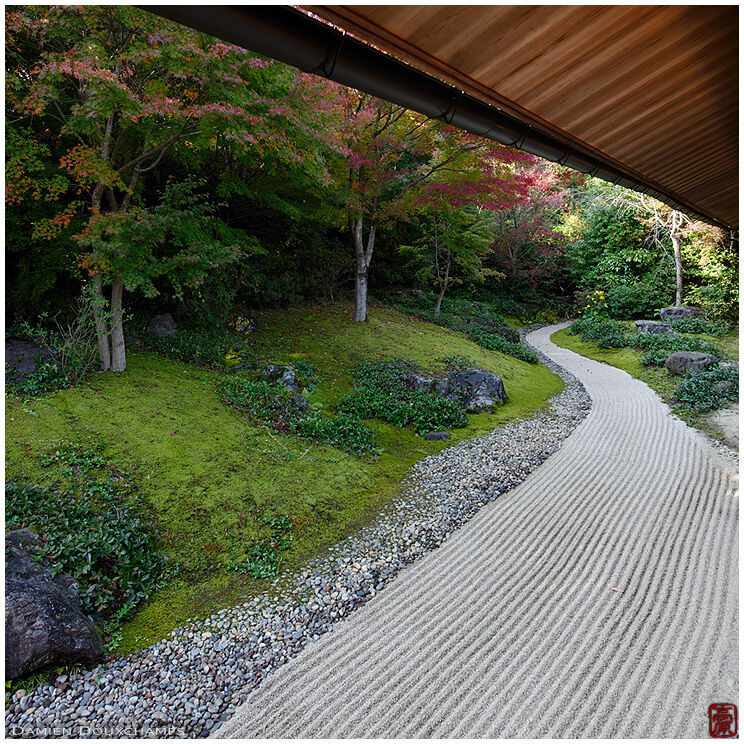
{"x":597,"y":599}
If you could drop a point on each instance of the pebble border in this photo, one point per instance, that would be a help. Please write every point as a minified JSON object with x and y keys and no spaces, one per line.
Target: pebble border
{"x":185,"y":685}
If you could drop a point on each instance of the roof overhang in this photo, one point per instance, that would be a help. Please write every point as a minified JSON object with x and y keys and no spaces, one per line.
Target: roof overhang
{"x":643,"y":96}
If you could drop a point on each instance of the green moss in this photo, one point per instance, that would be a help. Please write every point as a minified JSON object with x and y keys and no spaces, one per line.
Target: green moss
{"x":209,"y":476}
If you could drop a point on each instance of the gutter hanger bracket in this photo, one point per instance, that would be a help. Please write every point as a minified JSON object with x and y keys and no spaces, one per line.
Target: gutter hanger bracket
{"x":326,"y":67}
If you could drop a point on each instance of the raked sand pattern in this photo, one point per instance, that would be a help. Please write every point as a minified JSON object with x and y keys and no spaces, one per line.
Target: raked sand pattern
{"x":597,"y":599}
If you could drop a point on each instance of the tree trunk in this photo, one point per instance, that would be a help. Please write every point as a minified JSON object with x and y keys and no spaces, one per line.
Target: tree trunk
{"x":677,"y":261}
{"x":360,"y":296}
{"x":104,"y":348}
{"x":363,"y":258}
{"x":118,"y":353}
{"x":438,"y":306}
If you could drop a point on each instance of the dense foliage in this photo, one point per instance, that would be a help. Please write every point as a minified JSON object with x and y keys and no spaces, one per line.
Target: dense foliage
{"x":656,"y":347}
{"x":710,"y":388}
{"x":175,"y":172}
{"x":89,"y":528}
{"x":382,"y":391}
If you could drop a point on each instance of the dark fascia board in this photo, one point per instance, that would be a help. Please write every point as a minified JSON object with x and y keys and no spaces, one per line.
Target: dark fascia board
{"x":299,"y":40}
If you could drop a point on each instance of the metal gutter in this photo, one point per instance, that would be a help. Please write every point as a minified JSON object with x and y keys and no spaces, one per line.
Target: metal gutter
{"x":297,"y":39}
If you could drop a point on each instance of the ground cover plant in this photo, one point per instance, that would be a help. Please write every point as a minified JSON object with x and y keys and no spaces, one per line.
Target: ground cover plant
{"x":382,"y":392}
{"x":203,"y":347}
{"x":213,"y":477}
{"x":656,"y":347}
{"x":710,"y":388}
{"x":84,"y":509}
{"x":274,"y":405}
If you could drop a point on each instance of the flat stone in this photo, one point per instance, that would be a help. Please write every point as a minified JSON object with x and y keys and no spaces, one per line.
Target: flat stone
{"x":689,"y":361}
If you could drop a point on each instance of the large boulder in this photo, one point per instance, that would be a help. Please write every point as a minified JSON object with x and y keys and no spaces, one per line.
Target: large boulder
{"x":652,"y":326}
{"x":675,"y":313}
{"x":689,"y":361}
{"x":489,"y":322}
{"x":282,"y":375}
{"x":44,"y":624}
{"x":162,"y":325}
{"x":477,"y":389}
{"x":21,"y":357}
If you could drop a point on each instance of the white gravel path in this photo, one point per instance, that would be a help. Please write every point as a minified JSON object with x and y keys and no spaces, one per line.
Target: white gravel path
{"x":597,"y":599}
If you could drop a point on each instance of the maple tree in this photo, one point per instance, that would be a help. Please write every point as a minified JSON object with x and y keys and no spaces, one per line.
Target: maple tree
{"x":456,"y":227}
{"x":526,"y":245}
{"x":395,"y":156}
{"x":122,"y":87}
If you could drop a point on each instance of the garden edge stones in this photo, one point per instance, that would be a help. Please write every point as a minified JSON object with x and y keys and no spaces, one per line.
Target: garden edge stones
{"x":189,"y":682}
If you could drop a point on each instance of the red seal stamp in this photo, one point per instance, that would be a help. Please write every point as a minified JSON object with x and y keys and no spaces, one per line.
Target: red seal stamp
{"x":723,"y":722}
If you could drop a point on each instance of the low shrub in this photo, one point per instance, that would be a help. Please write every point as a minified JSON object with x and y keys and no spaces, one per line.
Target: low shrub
{"x":663,"y":342}
{"x":388,"y":376}
{"x":710,"y":388}
{"x":592,"y":304}
{"x":720,"y":300}
{"x":89,"y":528}
{"x":265,"y":402}
{"x":432,"y":412}
{"x":346,"y":431}
{"x":609,"y":334}
{"x":275,"y":406}
{"x":626,"y":301}
{"x":70,"y":344}
{"x":695,"y":324}
{"x":382,"y":393}
{"x":424,"y":411}
{"x":47,"y":378}
{"x":490,"y":339}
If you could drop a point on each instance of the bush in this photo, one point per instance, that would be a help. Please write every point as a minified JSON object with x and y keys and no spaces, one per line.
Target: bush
{"x":593,"y":304}
{"x":71,"y":344}
{"x":347,"y":432}
{"x":267,"y":403}
{"x":626,"y":301}
{"x":370,"y":403}
{"x":388,"y":376}
{"x":718,"y":300}
{"x":47,"y":378}
{"x":609,"y":334}
{"x":89,"y":529}
{"x":490,"y":339}
{"x":432,"y":412}
{"x":710,"y":388}
{"x":670,"y":343}
{"x":695,"y":324}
